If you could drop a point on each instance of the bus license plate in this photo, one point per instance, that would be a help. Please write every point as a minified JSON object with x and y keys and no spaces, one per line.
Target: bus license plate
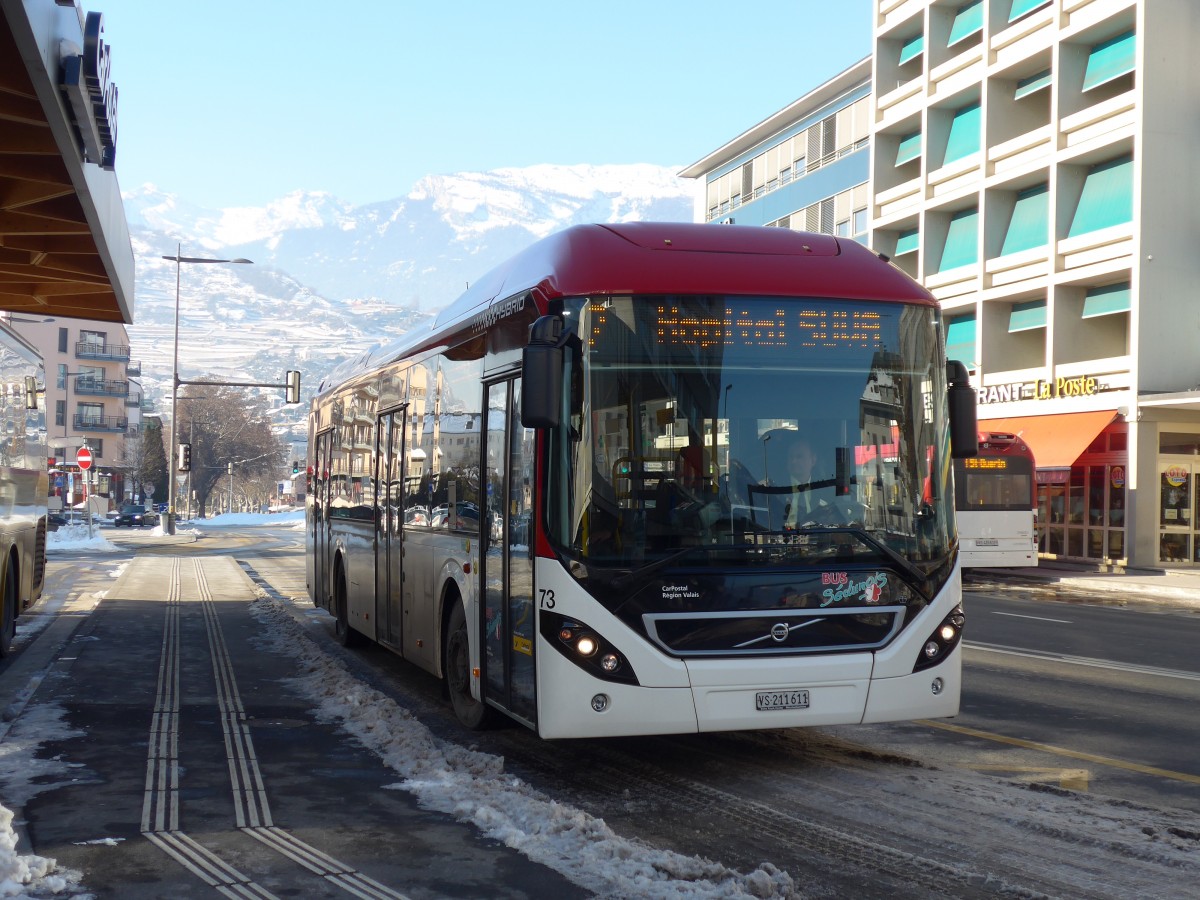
{"x":987,"y":542}
{"x":781,"y":700}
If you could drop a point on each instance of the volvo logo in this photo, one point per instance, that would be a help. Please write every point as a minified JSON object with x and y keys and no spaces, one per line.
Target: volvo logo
{"x":778,"y":633}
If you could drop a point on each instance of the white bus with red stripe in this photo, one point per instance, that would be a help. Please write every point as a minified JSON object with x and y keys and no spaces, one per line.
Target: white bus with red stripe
{"x":569,"y":497}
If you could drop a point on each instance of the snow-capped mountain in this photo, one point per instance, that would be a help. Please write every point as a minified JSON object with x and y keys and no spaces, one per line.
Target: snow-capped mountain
{"x":330,"y":279}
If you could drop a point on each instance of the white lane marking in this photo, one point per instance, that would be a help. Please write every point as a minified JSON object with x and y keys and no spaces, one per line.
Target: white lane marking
{"x":1035,"y":618}
{"x":1084,"y":661}
{"x":160,"y":805}
{"x":253,"y":810}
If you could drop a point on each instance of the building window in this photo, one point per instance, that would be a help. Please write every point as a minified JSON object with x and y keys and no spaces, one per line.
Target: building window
{"x":1107,"y":197}
{"x":63,"y":339}
{"x":60,"y":412}
{"x":968,"y":22}
{"x":860,"y":221}
{"x":960,"y":339}
{"x":1027,"y":316}
{"x":1106,"y":300}
{"x":1110,"y":60}
{"x":1022,"y":8}
{"x":1032,"y":84}
{"x":1028,"y":227}
{"x":963,"y":139}
{"x":907,"y":241}
{"x":912,"y":48}
{"x":909,"y":149}
{"x":961,"y":248}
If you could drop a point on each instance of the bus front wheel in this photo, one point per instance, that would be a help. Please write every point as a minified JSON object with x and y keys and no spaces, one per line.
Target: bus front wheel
{"x":346,"y":636}
{"x":472,"y":713}
{"x":8,"y":617}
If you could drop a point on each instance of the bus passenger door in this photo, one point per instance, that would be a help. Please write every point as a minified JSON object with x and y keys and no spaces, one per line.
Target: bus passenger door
{"x":389,"y":521}
{"x":509,"y":611}
{"x":320,"y":519}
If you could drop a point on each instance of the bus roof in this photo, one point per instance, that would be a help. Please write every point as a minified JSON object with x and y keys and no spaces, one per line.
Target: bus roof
{"x":688,"y":258}
{"x":666,"y":258}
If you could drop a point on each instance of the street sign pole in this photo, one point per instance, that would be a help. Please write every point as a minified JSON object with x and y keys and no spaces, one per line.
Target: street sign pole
{"x":83,"y":458}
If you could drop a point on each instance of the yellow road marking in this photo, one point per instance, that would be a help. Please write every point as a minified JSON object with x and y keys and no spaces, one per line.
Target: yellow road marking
{"x":1063,"y":751}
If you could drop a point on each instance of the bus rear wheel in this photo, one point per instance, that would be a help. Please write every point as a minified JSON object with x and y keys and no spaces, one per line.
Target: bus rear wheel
{"x":474,"y":714}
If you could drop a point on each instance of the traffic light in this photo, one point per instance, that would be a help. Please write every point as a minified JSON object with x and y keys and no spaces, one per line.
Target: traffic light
{"x":184,"y":458}
{"x":295,"y":467}
{"x":293,"y":386}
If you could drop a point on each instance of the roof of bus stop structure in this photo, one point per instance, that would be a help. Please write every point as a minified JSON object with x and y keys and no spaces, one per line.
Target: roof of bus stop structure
{"x":64,"y":240}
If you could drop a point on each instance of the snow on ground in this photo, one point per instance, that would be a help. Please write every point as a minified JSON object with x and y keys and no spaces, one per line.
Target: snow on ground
{"x":473,"y":787}
{"x":445,"y":777}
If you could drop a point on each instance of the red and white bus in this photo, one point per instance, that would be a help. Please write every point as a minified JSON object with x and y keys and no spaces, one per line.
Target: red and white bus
{"x":996,"y":498}
{"x":24,"y":482}
{"x":569,"y":497}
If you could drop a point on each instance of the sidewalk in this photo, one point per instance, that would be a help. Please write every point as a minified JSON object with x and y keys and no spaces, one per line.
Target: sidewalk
{"x":1167,"y":585}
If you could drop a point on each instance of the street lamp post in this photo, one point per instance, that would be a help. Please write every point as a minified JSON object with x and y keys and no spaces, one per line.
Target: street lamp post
{"x":179,"y":260}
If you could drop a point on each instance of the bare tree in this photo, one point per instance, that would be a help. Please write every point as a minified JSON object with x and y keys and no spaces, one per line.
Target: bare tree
{"x":227,"y":425}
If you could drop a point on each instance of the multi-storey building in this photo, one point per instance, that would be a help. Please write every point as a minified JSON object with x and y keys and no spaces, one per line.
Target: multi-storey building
{"x":90,"y":398}
{"x":806,"y":167}
{"x":1030,"y":165}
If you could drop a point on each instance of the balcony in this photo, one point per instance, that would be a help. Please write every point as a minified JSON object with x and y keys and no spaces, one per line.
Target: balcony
{"x":134,"y":369}
{"x":100,"y":423}
{"x":92,"y":350}
{"x":101,"y":387}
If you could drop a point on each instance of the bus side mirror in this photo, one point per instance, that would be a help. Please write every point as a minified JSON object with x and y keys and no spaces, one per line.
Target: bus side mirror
{"x":542,"y":376}
{"x":964,"y":431}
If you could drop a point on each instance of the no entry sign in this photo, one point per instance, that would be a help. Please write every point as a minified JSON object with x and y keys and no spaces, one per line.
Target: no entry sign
{"x":84,"y":458}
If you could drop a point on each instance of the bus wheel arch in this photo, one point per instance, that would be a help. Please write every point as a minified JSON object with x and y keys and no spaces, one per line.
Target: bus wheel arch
{"x":346,"y":636}
{"x":474,"y":714}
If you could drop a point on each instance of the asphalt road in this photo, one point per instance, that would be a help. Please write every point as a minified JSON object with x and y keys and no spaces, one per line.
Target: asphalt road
{"x":1074,"y":711}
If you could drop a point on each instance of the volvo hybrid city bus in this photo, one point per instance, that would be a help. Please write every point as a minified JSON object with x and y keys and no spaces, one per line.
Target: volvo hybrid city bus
{"x":996,"y":500}
{"x":572,"y":497}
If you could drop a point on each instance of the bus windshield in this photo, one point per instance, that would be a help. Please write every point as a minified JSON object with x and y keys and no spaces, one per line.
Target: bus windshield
{"x":714,"y":431}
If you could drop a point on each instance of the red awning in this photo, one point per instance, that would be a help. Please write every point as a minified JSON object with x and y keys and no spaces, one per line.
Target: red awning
{"x":1056,"y":440}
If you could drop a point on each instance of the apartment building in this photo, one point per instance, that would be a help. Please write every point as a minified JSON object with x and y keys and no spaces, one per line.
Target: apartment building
{"x":1030,"y":163}
{"x":92,"y":399}
{"x":1031,"y":166}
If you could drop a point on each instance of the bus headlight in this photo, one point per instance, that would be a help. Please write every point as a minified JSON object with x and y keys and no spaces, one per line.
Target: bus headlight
{"x":942,"y":642}
{"x":586,"y":648}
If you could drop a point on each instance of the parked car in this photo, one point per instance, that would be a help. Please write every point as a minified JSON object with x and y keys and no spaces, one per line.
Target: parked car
{"x":56,"y":520}
{"x":134,"y":515}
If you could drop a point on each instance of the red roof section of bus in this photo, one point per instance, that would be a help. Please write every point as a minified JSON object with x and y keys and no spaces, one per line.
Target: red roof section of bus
{"x":688,"y":258}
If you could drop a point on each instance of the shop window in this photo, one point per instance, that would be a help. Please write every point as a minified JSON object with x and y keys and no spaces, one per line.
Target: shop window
{"x":1179,"y":443}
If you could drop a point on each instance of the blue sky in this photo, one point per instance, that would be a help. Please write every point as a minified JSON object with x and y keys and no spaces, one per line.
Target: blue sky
{"x":239,"y":102}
